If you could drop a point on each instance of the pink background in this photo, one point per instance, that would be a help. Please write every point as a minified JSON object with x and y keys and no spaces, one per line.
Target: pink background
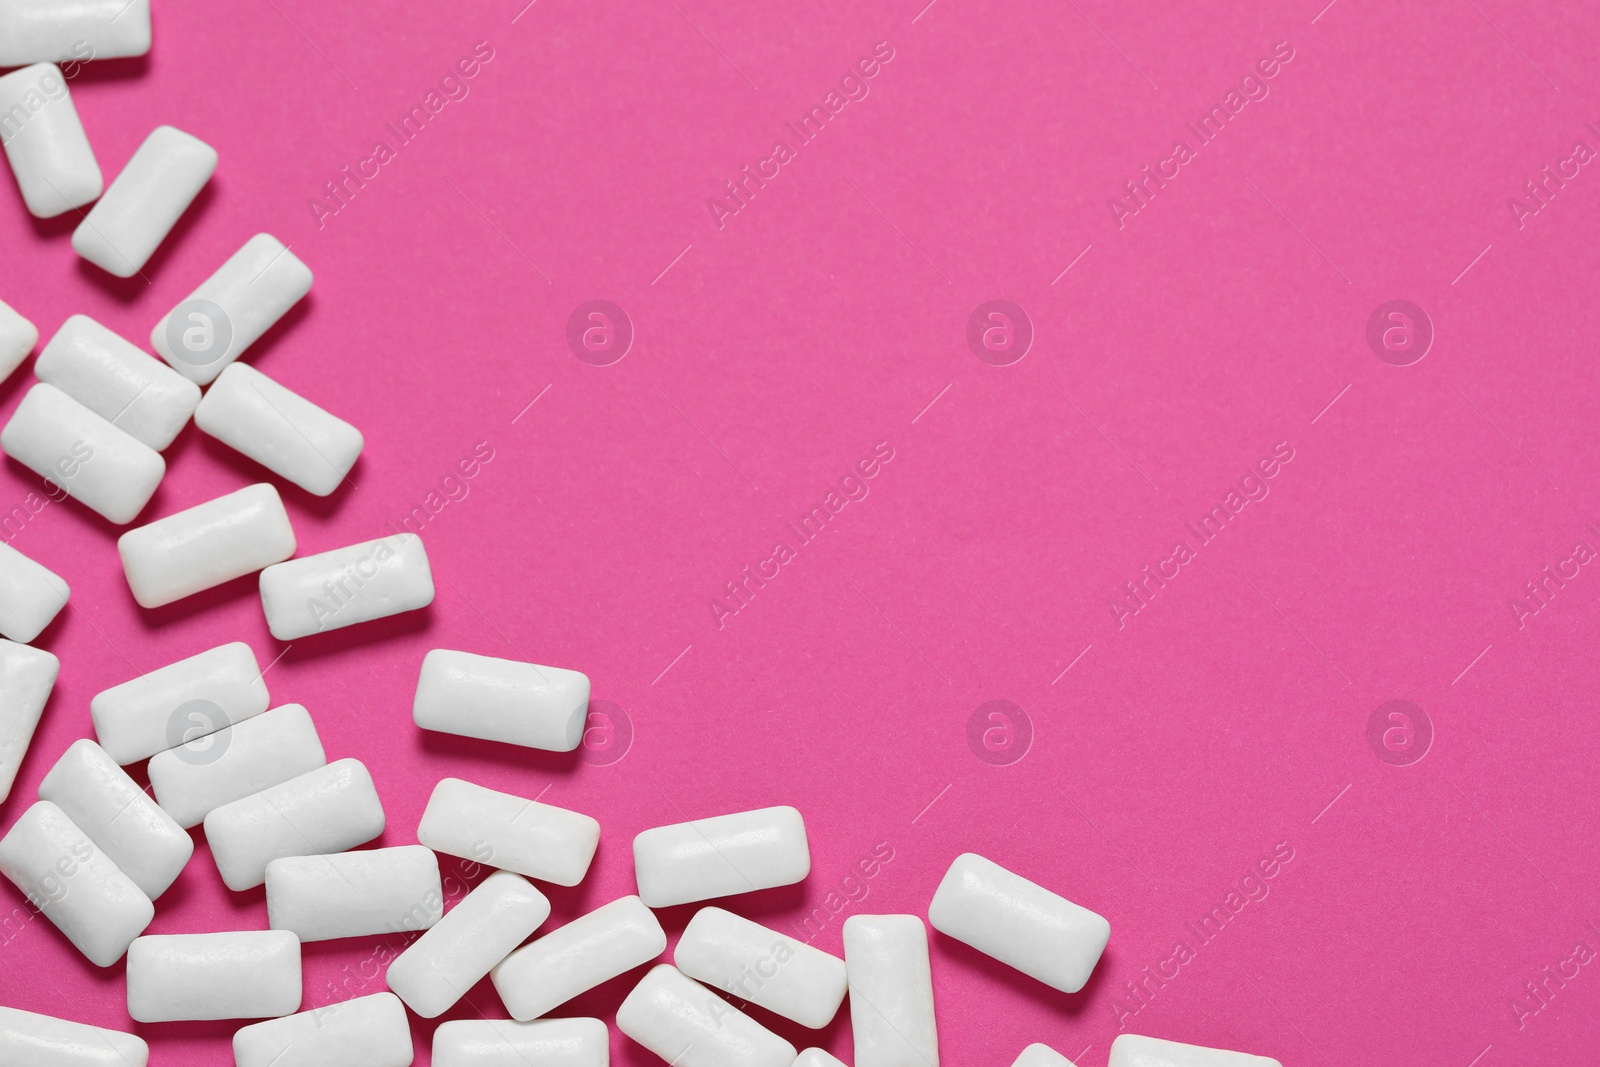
{"x":826,"y":316}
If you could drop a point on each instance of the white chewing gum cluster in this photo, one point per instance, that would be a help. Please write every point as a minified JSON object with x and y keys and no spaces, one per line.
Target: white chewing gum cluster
{"x":231,"y":309}
{"x":44,"y":140}
{"x":721,"y":857}
{"x":50,"y":31}
{"x":351,"y":585}
{"x":355,"y":894}
{"x":891,"y":991}
{"x":1037,"y":1055}
{"x":194,"y":779}
{"x":110,"y":376}
{"x":512,"y":833}
{"x":762,"y":966}
{"x":816,"y":1057}
{"x":31,"y":596}
{"x":179,"y":703}
{"x":207,"y":545}
{"x":497,"y":1043}
{"x":501,"y":700}
{"x":107,"y":470}
{"x":594,"y":948}
{"x":30,"y":1040}
{"x":17,"y":338}
{"x":244,"y":974}
{"x":1005,"y":916}
{"x":118,"y":816}
{"x":126,"y":226}
{"x":442,"y":965}
{"x":1131,"y":1050}
{"x":27,"y":675}
{"x":688,"y":1025}
{"x":74,"y":884}
{"x":369,"y":1031}
{"x":331,"y":809}
{"x":279,"y":429}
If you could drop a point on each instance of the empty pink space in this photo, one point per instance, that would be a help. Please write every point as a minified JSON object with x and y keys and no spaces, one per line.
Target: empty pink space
{"x":1195,"y":505}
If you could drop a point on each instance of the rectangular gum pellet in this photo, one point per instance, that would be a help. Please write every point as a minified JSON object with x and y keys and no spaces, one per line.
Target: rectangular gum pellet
{"x":501,"y":700}
{"x":113,"y":378}
{"x":243,"y":974}
{"x":49,"y":31}
{"x":369,"y":1031}
{"x":206,"y":545}
{"x":591,"y":949}
{"x":816,"y":1057}
{"x":762,"y":966}
{"x":1005,"y":916}
{"x":198,"y":777}
{"x":44,"y":141}
{"x":106,"y":469}
{"x":17,"y":338}
{"x":180,"y":702}
{"x":1037,"y":1055}
{"x":499,"y":1043}
{"x":331,"y":809}
{"x":27,"y":675}
{"x":231,"y":309}
{"x":688,"y":1025}
{"x":31,"y":595}
{"x":509,"y":832}
{"x":350,"y":585}
{"x":453,"y":956}
{"x":355,"y":894}
{"x":118,"y":816}
{"x":1132,"y":1050}
{"x":30,"y":1040}
{"x":722,"y":856}
{"x":124,"y":229}
{"x":891,"y":991}
{"x":279,"y":429}
{"x":74,"y":884}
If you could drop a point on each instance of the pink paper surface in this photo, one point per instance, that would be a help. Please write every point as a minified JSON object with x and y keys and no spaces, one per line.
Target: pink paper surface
{"x":1167,"y":753}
